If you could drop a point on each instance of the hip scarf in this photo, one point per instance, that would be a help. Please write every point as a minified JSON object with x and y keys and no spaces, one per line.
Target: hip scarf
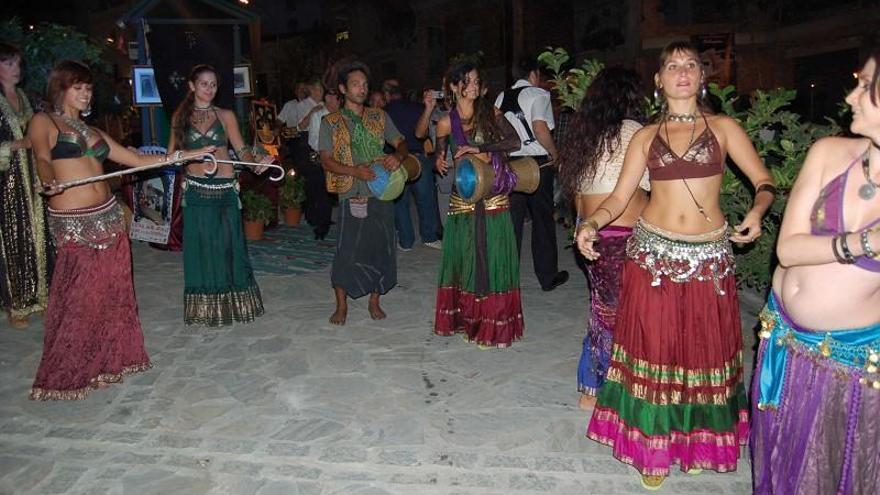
{"x":96,"y":227}
{"x":682,"y":257}
{"x":818,"y":443}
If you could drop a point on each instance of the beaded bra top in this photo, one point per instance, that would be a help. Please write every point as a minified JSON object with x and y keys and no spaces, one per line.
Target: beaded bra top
{"x":215,"y":135}
{"x":73,"y":145}
{"x":703,"y":158}
{"x":826,"y":217}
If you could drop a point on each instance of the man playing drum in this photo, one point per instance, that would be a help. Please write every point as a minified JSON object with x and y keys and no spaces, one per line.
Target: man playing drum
{"x":351,"y":145}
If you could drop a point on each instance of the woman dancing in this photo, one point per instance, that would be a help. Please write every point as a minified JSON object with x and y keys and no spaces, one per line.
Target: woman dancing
{"x":219,"y":284}
{"x":478,"y":292}
{"x":609,"y":116}
{"x":92,"y":333}
{"x":674,"y":391}
{"x":816,"y":388}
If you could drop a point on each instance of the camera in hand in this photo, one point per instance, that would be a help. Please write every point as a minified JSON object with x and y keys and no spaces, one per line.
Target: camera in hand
{"x":439,"y":95}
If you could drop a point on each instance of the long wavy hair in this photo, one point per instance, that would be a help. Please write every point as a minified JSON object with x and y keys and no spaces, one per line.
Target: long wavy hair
{"x":183,"y":113}
{"x":484,"y":113}
{"x":615,"y":95}
{"x":874,"y":85}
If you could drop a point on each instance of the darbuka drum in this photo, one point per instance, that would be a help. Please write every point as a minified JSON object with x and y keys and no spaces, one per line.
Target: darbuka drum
{"x":387,"y":185}
{"x":412,"y":166}
{"x":474,"y":177}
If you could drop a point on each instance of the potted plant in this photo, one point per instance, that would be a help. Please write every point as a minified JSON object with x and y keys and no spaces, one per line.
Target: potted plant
{"x":257,"y":212}
{"x":291,"y":196}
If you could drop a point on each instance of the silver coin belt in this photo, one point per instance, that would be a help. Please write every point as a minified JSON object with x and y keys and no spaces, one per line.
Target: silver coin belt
{"x":214,"y":187}
{"x":681,"y":261}
{"x":94,"y":228}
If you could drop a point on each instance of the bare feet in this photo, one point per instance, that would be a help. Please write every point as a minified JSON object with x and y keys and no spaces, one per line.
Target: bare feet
{"x":338,"y":316}
{"x":587,"y":402}
{"x":376,"y":312}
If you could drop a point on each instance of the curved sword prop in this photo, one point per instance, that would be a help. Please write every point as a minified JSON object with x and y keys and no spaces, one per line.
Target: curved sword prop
{"x":240,"y":165}
{"x":173,"y":161}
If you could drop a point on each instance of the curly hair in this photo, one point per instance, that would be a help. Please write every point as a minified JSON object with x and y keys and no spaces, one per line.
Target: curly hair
{"x":615,"y":95}
{"x":65,"y":74}
{"x":484,"y":111}
{"x":180,"y":119}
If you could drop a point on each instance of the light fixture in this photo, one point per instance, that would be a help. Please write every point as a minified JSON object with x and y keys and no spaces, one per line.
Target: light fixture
{"x":812,"y":85}
{"x":109,"y":40}
{"x":244,"y":2}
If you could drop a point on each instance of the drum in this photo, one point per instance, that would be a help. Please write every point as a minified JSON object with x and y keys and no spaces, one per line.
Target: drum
{"x":474,"y":177}
{"x":413,"y":167}
{"x":387,"y":186}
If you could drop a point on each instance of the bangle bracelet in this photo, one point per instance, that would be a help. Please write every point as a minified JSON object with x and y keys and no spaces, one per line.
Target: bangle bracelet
{"x":770,"y":188}
{"x":840,"y":259}
{"x":610,"y":216}
{"x":866,"y":245}
{"x":589,"y":222}
{"x":844,"y":246}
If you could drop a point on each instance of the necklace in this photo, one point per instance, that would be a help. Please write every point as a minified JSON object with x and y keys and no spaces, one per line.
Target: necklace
{"x":77,"y":125}
{"x":690,"y":143}
{"x":200,"y":115}
{"x":867,"y":191}
{"x":681,"y":117}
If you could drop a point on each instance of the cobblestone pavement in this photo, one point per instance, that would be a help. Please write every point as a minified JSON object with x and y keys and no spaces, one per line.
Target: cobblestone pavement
{"x":292,"y":405}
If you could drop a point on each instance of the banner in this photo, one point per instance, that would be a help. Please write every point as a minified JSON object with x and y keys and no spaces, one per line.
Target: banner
{"x":152,"y":206}
{"x":175,"y":49}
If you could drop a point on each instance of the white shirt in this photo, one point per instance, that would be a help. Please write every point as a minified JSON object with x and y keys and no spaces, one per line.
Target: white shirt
{"x":315,"y":127}
{"x":535,"y":104}
{"x":294,"y":111}
{"x":609,"y":165}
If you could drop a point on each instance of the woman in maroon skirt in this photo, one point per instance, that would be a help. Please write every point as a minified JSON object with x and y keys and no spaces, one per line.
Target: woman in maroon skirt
{"x":674,"y":391}
{"x":92,"y":332}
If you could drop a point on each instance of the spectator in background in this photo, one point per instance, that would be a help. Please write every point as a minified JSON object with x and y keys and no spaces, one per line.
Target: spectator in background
{"x":405,"y":115}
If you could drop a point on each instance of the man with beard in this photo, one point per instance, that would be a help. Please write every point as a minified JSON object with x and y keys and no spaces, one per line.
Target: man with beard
{"x":350,"y":142}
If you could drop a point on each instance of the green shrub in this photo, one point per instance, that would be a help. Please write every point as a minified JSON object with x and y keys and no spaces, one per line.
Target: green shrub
{"x":257,"y":207}
{"x":292,"y":193}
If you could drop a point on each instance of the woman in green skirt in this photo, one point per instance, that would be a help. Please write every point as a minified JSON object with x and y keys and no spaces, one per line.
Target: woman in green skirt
{"x":219,"y":285}
{"x":478,"y":293}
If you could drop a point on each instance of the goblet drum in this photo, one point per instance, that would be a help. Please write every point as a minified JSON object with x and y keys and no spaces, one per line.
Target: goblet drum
{"x":474,"y":177}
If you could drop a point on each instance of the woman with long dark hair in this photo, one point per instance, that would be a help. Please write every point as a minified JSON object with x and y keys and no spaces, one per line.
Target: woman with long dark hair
{"x":816,"y":387}
{"x":478,"y":292}
{"x":609,"y":116}
{"x":219,"y":284}
{"x":24,"y":247}
{"x":92,"y":332}
{"x":674,"y":390}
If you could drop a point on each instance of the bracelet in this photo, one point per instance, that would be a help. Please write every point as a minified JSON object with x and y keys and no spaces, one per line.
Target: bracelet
{"x":766,"y":187}
{"x":866,"y":245}
{"x":610,"y":216}
{"x":840,"y":259}
{"x":844,"y":246}
{"x":241,"y":151}
{"x":589,"y":222}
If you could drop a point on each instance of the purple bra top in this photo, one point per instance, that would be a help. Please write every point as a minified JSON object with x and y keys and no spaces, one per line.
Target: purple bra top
{"x":827,"y":215}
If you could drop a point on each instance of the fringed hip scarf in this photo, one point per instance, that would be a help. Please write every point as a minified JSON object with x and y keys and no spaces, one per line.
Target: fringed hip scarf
{"x":682,"y":258}
{"x":96,"y":227}
{"x":480,"y":209}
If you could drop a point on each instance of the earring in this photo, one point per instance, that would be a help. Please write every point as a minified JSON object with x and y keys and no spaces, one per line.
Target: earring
{"x":87,"y":111}
{"x":656,"y":93}
{"x":703,"y":92}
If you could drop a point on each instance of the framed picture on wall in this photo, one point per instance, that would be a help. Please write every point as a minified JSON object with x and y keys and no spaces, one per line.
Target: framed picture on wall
{"x":143,"y":86}
{"x":264,"y":115}
{"x":242,"y":80}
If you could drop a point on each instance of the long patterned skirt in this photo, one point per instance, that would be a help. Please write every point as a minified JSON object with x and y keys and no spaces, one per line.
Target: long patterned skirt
{"x":674,"y":392}
{"x":478,"y":292}
{"x":92,"y":332}
{"x":815,"y":403}
{"x":219,"y":284}
{"x":604,"y":276}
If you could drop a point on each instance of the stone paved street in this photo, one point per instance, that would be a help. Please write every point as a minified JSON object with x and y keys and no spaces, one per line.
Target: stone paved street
{"x":291,"y":405}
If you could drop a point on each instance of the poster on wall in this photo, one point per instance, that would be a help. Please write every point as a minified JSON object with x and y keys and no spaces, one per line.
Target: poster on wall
{"x":717,"y":54}
{"x":264,"y":115}
{"x":152,"y":202}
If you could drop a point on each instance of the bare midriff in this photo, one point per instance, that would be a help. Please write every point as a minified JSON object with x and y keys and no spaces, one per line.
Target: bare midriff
{"x":70,"y":169}
{"x":224,"y":170}
{"x":829,"y":297}
{"x":672,"y":208}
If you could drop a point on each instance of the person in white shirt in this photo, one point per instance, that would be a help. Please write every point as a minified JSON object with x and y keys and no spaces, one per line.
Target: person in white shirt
{"x":317,"y":197}
{"x":527,"y":107}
